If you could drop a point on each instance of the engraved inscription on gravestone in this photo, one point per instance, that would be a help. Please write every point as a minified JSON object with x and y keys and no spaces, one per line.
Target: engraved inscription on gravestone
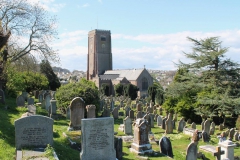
{"x":34,"y":131}
{"x":98,"y":139}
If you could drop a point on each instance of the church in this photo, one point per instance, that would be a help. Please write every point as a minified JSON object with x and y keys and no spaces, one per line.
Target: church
{"x":100,"y":70}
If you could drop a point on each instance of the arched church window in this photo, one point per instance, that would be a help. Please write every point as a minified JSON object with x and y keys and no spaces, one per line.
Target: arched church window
{"x":144,"y":83}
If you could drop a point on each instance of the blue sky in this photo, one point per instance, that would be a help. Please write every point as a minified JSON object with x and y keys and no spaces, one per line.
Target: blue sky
{"x":144,"y":32}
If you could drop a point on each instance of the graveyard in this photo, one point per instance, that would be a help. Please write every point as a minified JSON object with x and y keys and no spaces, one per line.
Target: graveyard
{"x":68,"y":144}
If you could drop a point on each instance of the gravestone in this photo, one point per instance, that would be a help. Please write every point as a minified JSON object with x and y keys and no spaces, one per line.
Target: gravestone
{"x":77,"y":107}
{"x":139,"y":115}
{"x":118,"y":145}
{"x":231,"y":134}
{"x":30,"y":101}
{"x":115,"y":113}
{"x":205,"y":136}
{"x":212,"y":128}
{"x":207,"y":126}
{"x":193,"y":125}
{"x":191,"y":151}
{"x":175,"y":117}
{"x":53,"y":109}
{"x":32,"y":109}
{"x":221,"y":127}
{"x":189,"y":121}
{"x":20,"y":101}
{"x":228,"y":148}
{"x":97,"y":139}
{"x":40,"y":98}
{"x":141,"y":143}
{"x":127,"y":109}
{"x":139,"y":107}
{"x":159,"y":120}
{"x":68,"y":112}
{"x":131,"y":114}
{"x":163,"y":123}
{"x":181,"y":125}
{"x":91,"y":111}
{"x":2,"y":96}
{"x":33,"y":131}
{"x":165,"y":147}
{"x":155,"y":117}
{"x":152,"y":120}
{"x":236,"y":136}
{"x":47,"y":100}
{"x":25,"y":95}
{"x":169,"y":124}
{"x":127,"y":125}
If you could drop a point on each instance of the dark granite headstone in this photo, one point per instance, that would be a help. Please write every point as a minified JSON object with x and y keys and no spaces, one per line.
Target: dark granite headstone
{"x":165,"y":146}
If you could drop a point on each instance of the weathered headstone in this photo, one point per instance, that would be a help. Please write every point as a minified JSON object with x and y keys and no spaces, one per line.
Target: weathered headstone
{"x":231,"y":134}
{"x":193,"y":125}
{"x":33,"y":131}
{"x":47,"y":100}
{"x":152,"y":120}
{"x":127,"y":109}
{"x":205,"y":136}
{"x":91,"y":111}
{"x":212,"y":128}
{"x":169,"y":124}
{"x":115,"y":113}
{"x":97,"y":139}
{"x":119,"y":148}
{"x":221,"y":127}
{"x":141,"y":143}
{"x":159,"y":120}
{"x":236,"y":136}
{"x":77,"y":107}
{"x":32,"y":109}
{"x":155,"y":117}
{"x":68,"y":112}
{"x":163,"y":123}
{"x":127,"y":125}
{"x":139,"y":107}
{"x":191,"y":151}
{"x":139,"y":115}
{"x":30,"y":101}
{"x":165,"y":146}
{"x":189,"y":121}
{"x":228,"y":148}
{"x":207,"y":127}
{"x":20,"y":101}
{"x":131,"y":114}
{"x":53,"y":109}
{"x":181,"y":125}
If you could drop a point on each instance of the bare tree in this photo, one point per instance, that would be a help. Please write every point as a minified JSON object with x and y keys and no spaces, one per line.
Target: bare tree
{"x":32,"y":30}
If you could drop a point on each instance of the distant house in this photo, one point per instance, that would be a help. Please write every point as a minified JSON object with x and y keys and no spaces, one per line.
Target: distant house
{"x":99,"y":69}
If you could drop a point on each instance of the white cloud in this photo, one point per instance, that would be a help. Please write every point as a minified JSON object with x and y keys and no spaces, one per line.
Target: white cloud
{"x":85,"y":5}
{"x":160,"y":51}
{"x":49,"y":5}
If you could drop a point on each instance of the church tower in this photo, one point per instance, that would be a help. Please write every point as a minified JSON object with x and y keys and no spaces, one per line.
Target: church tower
{"x":99,"y":53}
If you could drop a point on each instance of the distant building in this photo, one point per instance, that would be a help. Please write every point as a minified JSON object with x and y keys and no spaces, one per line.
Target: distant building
{"x":100,"y":70}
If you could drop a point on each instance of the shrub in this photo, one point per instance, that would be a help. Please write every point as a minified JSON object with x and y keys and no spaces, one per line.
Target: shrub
{"x":85,"y":89}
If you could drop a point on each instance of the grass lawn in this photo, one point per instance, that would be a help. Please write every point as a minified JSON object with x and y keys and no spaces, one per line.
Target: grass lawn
{"x":65,"y":152}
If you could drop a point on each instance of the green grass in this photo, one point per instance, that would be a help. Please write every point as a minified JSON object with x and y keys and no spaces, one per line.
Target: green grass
{"x":65,"y":152}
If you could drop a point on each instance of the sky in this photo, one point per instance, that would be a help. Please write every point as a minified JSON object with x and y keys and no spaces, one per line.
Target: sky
{"x":150,"y":33}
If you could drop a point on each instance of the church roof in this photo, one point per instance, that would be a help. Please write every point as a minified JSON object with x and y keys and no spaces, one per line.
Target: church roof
{"x":129,"y":74}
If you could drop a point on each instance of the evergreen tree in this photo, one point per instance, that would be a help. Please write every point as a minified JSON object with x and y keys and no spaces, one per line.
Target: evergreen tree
{"x":47,"y":70}
{"x":211,"y":83}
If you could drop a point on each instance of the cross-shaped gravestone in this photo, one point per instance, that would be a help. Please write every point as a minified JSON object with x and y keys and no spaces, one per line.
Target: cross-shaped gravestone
{"x":218,"y":153}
